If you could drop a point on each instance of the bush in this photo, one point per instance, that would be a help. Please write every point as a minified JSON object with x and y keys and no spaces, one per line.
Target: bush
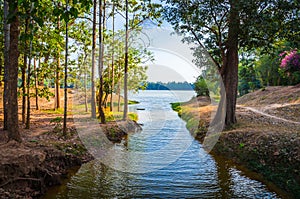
{"x":290,"y":64}
{"x":200,"y":87}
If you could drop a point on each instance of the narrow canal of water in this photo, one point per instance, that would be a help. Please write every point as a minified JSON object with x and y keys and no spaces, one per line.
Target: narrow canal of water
{"x":162,"y":161}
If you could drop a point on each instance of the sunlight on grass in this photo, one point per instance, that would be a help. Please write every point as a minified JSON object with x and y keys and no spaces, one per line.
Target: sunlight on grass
{"x":113,"y":116}
{"x":54,"y":111}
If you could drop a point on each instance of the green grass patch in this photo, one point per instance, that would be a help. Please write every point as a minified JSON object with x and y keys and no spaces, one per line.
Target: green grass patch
{"x":54,"y":111}
{"x":131,"y":102}
{"x":176,"y":106}
{"x":113,"y":116}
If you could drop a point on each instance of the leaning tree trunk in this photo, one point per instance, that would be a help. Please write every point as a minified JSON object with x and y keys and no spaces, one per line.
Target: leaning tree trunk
{"x":12,"y":111}
{"x":230,"y":75}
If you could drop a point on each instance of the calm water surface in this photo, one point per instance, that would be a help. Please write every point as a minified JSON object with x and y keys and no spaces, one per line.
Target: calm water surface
{"x":173,"y":164}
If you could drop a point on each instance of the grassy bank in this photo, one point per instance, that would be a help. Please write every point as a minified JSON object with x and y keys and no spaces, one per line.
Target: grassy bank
{"x":45,"y":156}
{"x":266,"y":145}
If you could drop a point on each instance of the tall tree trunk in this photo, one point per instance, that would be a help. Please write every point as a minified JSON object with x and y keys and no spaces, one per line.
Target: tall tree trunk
{"x":6,"y":30}
{"x":27,"y":125}
{"x":66,"y":79}
{"x":57,"y":76}
{"x":119,"y":86}
{"x":112,"y":60}
{"x":101,"y":59}
{"x":24,"y":108}
{"x":125,"y":113}
{"x":12,"y":111}
{"x":119,"y":97}
{"x":24,"y":88}
{"x":93,"y":97}
{"x":85,"y":83}
{"x":230,"y":75}
{"x":1,"y":69}
{"x":36,"y":85}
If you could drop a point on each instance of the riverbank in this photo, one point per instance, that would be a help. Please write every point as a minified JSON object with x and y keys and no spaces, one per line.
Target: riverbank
{"x":42,"y":160}
{"x":45,"y":156}
{"x":266,"y":138}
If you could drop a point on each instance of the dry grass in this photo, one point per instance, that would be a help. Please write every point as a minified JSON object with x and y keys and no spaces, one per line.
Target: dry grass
{"x":267,"y":145}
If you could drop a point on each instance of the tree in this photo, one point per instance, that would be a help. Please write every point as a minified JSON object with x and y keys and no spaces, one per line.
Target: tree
{"x":101,"y":58}
{"x":12,"y":73}
{"x":112,"y":58}
{"x":223,"y":27}
{"x":247,"y":75}
{"x":66,"y":75}
{"x":81,"y":34}
{"x":6,"y":30}
{"x":125,"y":112}
{"x":141,"y":11}
{"x":290,"y":64}
{"x":93,"y":98}
{"x":201,"y":87}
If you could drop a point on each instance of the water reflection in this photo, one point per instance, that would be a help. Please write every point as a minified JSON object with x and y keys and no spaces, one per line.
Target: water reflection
{"x":192,"y":174}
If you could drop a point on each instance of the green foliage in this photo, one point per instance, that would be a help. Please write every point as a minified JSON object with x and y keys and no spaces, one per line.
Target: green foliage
{"x":207,"y":20}
{"x":132,"y":102}
{"x":57,"y":124}
{"x":200,"y":87}
{"x":268,"y":66}
{"x":290,"y":64}
{"x":248,"y":81}
{"x":169,"y":86}
{"x":113,"y":116}
{"x":176,"y":106}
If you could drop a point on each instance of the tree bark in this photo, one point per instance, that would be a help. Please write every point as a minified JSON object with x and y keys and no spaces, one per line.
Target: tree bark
{"x":57,"y":76}
{"x":93,"y":97}
{"x":1,"y":69}
{"x":125,"y":113}
{"x":12,"y":111}
{"x":66,"y":79}
{"x":230,"y":74}
{"x":112,"y":60}
{"x":6,"y":30}
{"x":36,"y":85}
{"x":24,"y":89}
{"x":85,"y":82}
{"x":100,"y":60}
{"x":27,"y":125}
{"x":24,"y":75}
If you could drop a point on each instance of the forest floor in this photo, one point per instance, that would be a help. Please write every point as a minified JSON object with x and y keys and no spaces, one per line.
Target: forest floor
{"x":45,"y":156}
{"x":266,"y":138}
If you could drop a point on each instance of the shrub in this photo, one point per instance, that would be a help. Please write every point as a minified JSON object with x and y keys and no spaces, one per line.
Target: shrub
{"x":290,"y":64}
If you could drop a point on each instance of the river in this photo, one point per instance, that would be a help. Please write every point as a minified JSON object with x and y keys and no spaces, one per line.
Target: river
{"x":162,"y":161}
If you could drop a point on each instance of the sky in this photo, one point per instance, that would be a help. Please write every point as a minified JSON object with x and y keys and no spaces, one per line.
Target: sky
{"x":173,"y":59}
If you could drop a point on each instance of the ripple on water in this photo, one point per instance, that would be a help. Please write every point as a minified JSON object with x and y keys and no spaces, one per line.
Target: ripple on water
{"x":194,"y":174}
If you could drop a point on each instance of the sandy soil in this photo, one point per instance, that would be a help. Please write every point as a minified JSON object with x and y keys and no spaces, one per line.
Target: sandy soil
{"x":266,"y":138}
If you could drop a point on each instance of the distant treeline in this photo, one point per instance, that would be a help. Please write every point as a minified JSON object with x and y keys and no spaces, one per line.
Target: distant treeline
{"x":169,"y":86}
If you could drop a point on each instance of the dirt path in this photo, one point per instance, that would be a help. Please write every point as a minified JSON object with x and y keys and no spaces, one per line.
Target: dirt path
{"x":268,"y":115}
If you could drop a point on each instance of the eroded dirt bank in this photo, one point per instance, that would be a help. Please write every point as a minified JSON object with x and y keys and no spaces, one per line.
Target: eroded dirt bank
{"x":266,"y":138}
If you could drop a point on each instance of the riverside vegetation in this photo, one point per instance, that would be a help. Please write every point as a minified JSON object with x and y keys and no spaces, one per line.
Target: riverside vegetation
{"x":266,"y":138}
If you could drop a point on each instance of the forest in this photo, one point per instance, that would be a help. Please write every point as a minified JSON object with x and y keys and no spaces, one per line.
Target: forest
{"x":54,"y":50}
{"x":169,"y":86}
